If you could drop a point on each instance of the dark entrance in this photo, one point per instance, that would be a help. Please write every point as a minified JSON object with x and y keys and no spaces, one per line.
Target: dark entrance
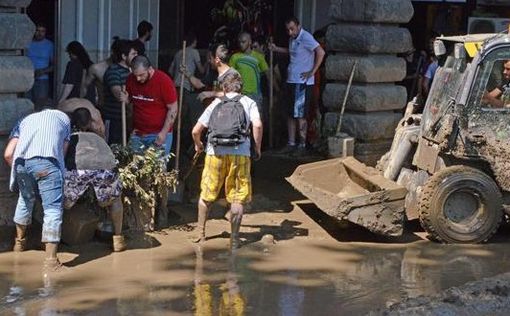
{"x":219,"y":21}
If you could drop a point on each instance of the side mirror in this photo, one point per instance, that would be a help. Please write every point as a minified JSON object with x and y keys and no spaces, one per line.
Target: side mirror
{"x":439,"y":48}
{"x":459,"y":51}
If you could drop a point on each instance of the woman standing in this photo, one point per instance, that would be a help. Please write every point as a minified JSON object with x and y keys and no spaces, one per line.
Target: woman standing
{"x":76,"y":70}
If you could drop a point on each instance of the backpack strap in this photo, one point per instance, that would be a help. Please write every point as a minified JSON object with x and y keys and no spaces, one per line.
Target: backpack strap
{"x":237,"y":98}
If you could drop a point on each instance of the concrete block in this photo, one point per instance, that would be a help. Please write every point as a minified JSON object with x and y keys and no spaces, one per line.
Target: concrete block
{"x":371,"y":126}
{"x":8,"y":96}
{"x":370,"y":153}
{"x":341,"y":145}
{"x":5,"y":170}
{"x":365,"y":98}
{"x":79,"y":225}
{"x":330,"y":123}
{"x":364,"y":127}
{"x":15,"y":3}
{"x":370,"y":69}
{"x":8,"y":199}
{"x":373,"y":39}
{"x":372,"y":11}
{"x":7,"y":233}
{"x":16,"y":32}
{"x":17,"y":74}
{"x":379,"y":146}
{"x":12,"y":110}
{"x":8,"y":202}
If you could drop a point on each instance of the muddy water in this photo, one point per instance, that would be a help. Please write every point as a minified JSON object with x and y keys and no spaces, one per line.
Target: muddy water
{"x":310,"y":270}
{"x":165,"y":274}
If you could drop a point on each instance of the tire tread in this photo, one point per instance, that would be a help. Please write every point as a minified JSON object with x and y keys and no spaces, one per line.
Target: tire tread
{"x":426,"y":201}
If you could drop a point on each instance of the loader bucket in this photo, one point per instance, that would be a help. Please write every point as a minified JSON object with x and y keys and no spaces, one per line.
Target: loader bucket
{"x":347,"y":189}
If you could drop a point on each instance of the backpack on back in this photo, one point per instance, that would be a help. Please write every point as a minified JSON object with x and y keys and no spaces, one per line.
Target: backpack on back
{"x":228,"y":124}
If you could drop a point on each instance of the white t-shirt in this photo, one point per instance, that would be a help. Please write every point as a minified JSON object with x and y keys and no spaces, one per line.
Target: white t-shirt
{"x":252,"y":113}
{"x":302,"y":57}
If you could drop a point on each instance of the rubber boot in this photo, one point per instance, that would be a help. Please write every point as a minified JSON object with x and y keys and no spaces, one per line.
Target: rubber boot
{"x":119,"y":243}
{"x":20,"y":241}
{"x":117,"y":215}
{"x":162,"y":210}
{"x":235,"y":226}
{"x":51,"y":263}
{"x":199,"y":236}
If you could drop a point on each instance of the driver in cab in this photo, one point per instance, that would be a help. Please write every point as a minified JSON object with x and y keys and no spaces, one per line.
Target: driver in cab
{"x":499,"y":97}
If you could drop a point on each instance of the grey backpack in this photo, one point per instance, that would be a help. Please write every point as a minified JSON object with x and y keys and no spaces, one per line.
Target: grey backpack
{"x":228,"y":124}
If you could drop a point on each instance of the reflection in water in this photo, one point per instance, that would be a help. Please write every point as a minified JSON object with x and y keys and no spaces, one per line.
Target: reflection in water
{"x":231,"y":300}
{"x":291,"y":279}
{"x":291,"y":297}
{"x":18,"y":297}
{"x":15,"y":293}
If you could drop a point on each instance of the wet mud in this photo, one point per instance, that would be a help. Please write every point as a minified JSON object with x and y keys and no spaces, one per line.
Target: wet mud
{"x":295,"y":260}
{"x":490,"y":296}
{"x":165,"y":274}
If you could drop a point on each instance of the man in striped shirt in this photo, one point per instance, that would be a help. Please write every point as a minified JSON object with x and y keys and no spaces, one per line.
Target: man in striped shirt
{"x":113,"y":81}
{"x":35,"y":152}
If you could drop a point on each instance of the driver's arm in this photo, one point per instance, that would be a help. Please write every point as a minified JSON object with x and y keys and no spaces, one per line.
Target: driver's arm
{"x":493,"y":98}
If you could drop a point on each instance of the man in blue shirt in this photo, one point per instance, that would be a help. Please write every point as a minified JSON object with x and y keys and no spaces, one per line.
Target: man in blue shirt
{"x":40,"y":52}
{"x":35,"y":152}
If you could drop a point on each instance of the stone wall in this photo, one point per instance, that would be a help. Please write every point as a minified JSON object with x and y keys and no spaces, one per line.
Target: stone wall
{"x":17,"y":78}
{"x":367,"y":31}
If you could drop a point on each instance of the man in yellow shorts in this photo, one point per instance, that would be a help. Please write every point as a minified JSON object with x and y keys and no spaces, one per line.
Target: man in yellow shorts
{"x":227,"y":159}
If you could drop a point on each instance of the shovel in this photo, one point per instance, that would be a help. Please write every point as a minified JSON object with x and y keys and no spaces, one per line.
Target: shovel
{"x":124,"y":125}
{"x":178,"y":194}
{"x":342,"y":145}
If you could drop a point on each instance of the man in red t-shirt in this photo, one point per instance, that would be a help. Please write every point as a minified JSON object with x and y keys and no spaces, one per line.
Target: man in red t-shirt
{"x":154,"y":100}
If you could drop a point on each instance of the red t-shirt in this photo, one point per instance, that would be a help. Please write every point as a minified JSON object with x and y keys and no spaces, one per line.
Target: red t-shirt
{"x":150,"y":100}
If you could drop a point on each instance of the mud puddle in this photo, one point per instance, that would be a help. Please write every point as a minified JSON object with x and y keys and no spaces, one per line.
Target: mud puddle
{"x":167,"y":275}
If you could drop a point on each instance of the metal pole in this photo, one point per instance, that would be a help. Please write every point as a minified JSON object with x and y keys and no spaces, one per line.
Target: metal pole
{"x":271,"y":95}
{"x":339,"y":126}
{"x":179,"y":109}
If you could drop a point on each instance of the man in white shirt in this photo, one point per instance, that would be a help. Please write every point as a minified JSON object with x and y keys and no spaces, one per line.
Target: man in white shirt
{"x":227,"y":165}
{"x":306,"y":56}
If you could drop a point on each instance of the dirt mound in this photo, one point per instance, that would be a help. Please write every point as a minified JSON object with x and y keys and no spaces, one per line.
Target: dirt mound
{"x":490,"y":296}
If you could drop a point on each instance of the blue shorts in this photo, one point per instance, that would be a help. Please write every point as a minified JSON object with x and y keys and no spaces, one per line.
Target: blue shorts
{"x":299,"y":96}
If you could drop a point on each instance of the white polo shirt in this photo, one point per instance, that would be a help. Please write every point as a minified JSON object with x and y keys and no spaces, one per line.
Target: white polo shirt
{"x":302,"y":57}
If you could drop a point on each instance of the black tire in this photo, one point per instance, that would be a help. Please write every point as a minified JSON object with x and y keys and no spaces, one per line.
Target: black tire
{"x":460,"y":204}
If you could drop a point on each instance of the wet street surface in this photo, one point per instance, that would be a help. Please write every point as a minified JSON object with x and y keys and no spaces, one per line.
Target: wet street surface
{"x":315,"y":266}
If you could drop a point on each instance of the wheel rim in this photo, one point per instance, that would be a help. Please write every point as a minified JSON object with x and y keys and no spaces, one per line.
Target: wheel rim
{"x":462,"y":209}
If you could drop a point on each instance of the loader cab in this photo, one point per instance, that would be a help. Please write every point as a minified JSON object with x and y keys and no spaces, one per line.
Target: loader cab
{"x":489,"y":116}
{"x":472,"y":67}
{"x":446,"y":87}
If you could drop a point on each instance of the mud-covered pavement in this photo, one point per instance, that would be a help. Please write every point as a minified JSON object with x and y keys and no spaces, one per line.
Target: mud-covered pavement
{"x":313,"y":267}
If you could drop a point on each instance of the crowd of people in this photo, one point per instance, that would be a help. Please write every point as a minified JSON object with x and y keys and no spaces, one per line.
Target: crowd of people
{"x":57,"y":154}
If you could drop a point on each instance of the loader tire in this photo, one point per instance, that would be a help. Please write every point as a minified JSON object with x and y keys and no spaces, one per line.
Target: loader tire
{"x":460,"y":204}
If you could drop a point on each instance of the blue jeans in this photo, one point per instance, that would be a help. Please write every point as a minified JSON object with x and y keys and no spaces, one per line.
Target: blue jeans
{"x":40,"y":91}
{"x":40,"y":176}
{"x":139,"y":143}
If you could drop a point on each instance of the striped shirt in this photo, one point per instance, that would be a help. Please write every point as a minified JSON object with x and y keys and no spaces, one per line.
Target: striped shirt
{"x":115,"y":75}
{"x":41,"y":134}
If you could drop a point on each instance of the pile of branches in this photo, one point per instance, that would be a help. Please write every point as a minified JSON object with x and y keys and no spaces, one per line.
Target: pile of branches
{"x":145,"y":180}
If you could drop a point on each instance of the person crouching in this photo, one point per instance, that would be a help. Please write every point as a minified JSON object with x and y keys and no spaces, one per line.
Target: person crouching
{"x":91,"y":163}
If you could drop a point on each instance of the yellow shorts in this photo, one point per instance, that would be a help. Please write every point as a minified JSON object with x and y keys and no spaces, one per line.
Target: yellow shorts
{"x":234,"y":171}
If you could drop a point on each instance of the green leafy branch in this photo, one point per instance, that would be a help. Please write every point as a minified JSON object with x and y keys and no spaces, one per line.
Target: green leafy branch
{"x":144,"y":176}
